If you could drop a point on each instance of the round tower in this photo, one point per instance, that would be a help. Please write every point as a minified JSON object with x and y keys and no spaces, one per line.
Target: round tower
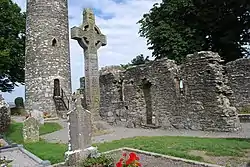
{"x":47,"y":68}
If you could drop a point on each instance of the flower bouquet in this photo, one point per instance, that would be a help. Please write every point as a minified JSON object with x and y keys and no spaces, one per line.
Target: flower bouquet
{"x":46,"y":115}
{"x":132,"y":160}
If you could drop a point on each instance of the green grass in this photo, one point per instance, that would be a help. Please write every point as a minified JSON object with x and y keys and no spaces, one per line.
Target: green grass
{"x":245,"y":110}
{"x":180,"y":146}
{"x":47,"y":151}
{"x":168,"y":145}
{"x":49,"y":127}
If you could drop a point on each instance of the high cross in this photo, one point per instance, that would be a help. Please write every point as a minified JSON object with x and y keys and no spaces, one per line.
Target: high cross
{"x":90,"y":39}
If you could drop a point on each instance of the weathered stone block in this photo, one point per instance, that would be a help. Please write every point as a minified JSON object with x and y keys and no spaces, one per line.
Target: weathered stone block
{"x":5,"y":115}
{"x":30,"y":130}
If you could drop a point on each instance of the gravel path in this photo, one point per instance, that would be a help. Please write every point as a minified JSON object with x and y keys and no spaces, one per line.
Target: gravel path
{"x":121,"y":132}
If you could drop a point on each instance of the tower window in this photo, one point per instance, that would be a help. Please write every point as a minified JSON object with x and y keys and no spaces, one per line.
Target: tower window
{"x":54,"y":42}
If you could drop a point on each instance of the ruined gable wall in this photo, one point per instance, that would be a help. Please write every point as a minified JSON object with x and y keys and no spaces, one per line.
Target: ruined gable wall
{"x":206,"y":95}
{"x":238,"y":73}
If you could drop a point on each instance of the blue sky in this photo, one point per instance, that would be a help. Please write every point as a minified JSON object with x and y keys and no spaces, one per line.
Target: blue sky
{"x":117,"y":20}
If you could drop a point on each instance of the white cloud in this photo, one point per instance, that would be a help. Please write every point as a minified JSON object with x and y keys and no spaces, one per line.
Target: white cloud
{"x":121,"y":30}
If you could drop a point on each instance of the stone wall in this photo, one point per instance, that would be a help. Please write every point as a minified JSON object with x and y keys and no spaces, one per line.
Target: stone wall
{"x":205,"y":101}
{"x":47,"y":53}
{"x":239,"y":80}
{"x":5,"y":117}
{"x":161,"y":94}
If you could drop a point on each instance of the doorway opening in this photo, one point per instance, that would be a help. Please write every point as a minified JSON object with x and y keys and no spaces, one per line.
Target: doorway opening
{"x":56,"y":87}
{"x":146,"y":87}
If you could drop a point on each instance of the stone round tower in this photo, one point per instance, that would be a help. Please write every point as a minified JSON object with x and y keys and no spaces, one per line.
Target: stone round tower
{"x":47,"y":69}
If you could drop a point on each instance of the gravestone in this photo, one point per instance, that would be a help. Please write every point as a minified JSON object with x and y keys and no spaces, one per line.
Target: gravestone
{"x":90,"y":39}
{"x":37,"y":114}
{"x":30,"y":130}
{"x":79,"y":122}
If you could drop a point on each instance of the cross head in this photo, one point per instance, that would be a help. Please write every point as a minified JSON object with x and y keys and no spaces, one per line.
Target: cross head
{"x":88,"y":34}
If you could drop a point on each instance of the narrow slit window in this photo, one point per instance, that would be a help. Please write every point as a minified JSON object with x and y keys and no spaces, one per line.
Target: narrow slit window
{"x":181,"y":86}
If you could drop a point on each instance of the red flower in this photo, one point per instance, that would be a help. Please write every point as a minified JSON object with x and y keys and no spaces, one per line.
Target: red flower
{"x":129,"y":161}
{"x":132,"y":156}
{"x":119,"y":164}
{"x":132,"y":161}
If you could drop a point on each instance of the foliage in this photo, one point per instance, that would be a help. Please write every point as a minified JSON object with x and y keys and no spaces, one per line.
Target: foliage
{"x":18,"y":111}
{"x":12,"y":45}
{"x":19,"y":102}
{"x":175,"y":28}
{"x":245,"y":110}
{"x":139,"y":60}
{"x":5,"y":162}
{"x":42,"y":148}
{"x":101,"y":160}
{"x":136,"y":61}
{"x":180,"y":146}
{"x":131,"y":161}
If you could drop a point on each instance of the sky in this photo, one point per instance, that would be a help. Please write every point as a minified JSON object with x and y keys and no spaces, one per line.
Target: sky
{"x":117,"y":20}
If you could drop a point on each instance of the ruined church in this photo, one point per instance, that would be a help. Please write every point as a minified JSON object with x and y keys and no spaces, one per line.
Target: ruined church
{"x":201,"y":94}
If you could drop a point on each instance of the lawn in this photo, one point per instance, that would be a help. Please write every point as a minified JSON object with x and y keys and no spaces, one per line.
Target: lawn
{"x":182,"y":146}
{"x":168,"y":145}
{"x":47,"y":151}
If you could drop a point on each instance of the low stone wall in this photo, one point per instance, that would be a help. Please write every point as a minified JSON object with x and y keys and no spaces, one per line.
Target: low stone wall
{"x":244,"y":118}
{"x":150,"y":159}
{"x":22,"y":158}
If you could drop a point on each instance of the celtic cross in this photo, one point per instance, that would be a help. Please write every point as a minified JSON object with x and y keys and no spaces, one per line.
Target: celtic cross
{"x":90,"y":39}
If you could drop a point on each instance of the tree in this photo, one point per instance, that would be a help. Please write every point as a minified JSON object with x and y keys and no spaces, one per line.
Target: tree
{"x":136,"y":61}
{"x":139,"y":60}
{"x":176,"y":28}
{"x":12,"y":45}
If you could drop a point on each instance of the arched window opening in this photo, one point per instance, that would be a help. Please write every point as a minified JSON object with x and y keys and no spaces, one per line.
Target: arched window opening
{"x":181,"y":86}
{"x":54,"y":42}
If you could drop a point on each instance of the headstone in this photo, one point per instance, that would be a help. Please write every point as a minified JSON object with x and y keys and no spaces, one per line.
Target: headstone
{"x":37,"y":114}
{"x":5,"y":116}
{"x":30,"y":130}
{"x":90,"y":39}
{"x":79,"y":121}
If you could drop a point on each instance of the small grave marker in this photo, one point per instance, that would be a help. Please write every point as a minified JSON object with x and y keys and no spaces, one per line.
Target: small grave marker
{"x":30,"y":130}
